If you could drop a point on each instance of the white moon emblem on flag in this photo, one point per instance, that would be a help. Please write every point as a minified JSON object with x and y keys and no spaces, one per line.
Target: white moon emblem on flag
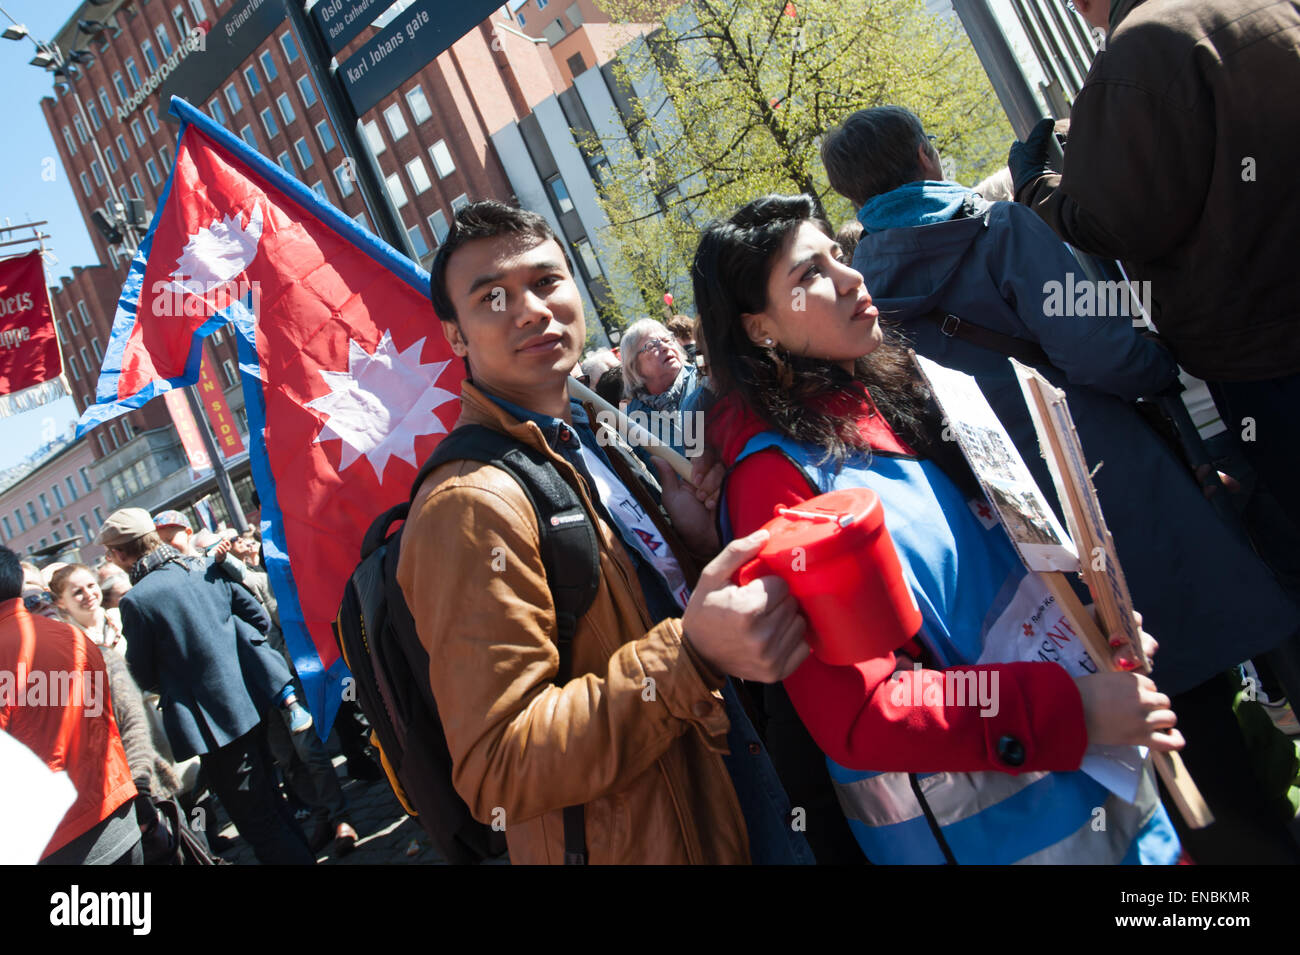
{"x":382,"y":403}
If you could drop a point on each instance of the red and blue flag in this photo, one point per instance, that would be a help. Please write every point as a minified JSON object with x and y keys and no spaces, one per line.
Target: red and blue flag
{"x":348,"y":381}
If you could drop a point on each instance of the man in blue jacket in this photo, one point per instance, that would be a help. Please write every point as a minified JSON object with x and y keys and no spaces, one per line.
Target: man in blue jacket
{"x":971,"y":282}
{"x":181,"y":623}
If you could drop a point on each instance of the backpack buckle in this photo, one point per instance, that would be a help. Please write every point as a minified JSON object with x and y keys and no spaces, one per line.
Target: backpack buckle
{"x":950,"y":329}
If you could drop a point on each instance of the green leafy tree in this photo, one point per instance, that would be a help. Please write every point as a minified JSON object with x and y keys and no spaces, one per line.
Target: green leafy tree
{"x":731,"y":99}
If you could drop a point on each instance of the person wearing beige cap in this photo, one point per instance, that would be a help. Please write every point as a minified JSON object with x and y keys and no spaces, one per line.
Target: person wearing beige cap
{"x":182,"y":619}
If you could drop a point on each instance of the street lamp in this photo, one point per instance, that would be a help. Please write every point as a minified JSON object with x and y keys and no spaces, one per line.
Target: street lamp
{"x":49,"y":57}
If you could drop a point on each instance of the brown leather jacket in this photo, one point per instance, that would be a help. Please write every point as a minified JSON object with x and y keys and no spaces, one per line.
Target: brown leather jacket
{"x":1182,"y":156}
{"x":645,"y":758}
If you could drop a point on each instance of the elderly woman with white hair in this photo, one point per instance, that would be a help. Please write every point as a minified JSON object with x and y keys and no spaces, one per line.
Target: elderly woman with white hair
{"x":659,"y":378}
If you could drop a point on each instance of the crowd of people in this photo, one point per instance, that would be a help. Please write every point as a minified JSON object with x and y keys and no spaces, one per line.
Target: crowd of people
{"x":189,"y":619}
{"x":693,"y":723}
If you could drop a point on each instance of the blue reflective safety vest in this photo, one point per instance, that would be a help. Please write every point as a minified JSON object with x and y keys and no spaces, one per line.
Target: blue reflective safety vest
{"x":988,"y":818}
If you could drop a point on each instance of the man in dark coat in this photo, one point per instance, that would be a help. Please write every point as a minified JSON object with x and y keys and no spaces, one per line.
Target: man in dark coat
{"x":950,"y":268}
{"x":180,"y":621}
{"x":1181,"y":162}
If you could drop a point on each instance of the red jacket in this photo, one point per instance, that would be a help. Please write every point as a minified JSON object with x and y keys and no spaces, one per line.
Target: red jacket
{"x":54,"y":699}
{"x":848,"y":709}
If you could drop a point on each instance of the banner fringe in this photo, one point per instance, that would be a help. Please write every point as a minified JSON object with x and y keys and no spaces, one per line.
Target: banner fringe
{"x":33,"y":397}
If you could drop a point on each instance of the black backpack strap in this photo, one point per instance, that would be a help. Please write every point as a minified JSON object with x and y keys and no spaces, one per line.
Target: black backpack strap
{"x":1022,"y":350}
{"x":570,"y":551}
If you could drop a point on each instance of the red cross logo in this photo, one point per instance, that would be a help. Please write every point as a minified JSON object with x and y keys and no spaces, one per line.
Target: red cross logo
{"x":1029,"y":630}
{"x":983,"y":510}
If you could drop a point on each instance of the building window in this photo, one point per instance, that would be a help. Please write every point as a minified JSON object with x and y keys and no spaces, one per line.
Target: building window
{"x":373,"y":136}
{"x":93,"y":113}
{"x":418,"y":175}
{"x":85,"y":184}
{"x":121,"y":146}
{"x":286,"y":108}
{"x":106,"y":103}
{"x":164,"y":41}
{"x":419,"y":106}
{"x":395,"y":190}
{"x":304,"y":152}
{"x":111,"y":160}
{"x":268,"y":123}
{"x":217,"y":112}
{"x":85,"y":314}
{"x":199,"y":13}
{"x":217,"y":337}
{"x":135,"y":184}
{"x":343,"y":175}
{"x":574,"y":13}
{"x":45,"y":504}
{"x":182,"y":22}
{"x":151,"y":118}
{"x":85,"y":482}
{"x":228,"y":371}
{"x":290,"y":48}
{"x":438,"y":223}
{"x":576,"y":64}
{"x":31,"y":513}
{"x":138,"y":132}
{"x":459,"y":203}
{"x":306,"y":90}
{"x":151,"y":168}
{"x":325,"y":136}
{"x":72,"y":364}
{"x":72,"y":488}
{"x":85,"y":360}
{"x":361,"y":220}
{"x":132,"y":72}
{"x":441,"y":157}
{"x":97,"y":349}
{"x":520,"y":17}
{"x":150,"y":56}
{"x":9,"y":531}
{"x":99,"y":518}
{"x":68,"y":140}
{"x":268,"y":66}
{"x":58,"y":496}
{"x":232,"y":98}
{"x":43,"y":542}
{"x":318,"y":187}
{"x":286,"y":163}
{"x":541,"y":4}
{"x":85,"y":529}
{"x":396,"y":123}
{"x":81,"y":129}
{"x":165,"y":155}
{"x":120,"y":85}
{"x":416,"y":235}
{"x":248,"y":136}
{"x":18,"y":516}
{"x":254,"y":84}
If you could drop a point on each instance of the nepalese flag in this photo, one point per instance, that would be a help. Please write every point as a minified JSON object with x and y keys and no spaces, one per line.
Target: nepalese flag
{"x":348,"y":381}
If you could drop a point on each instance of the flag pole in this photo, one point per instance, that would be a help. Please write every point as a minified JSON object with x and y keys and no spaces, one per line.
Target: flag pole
{"x":219,"y":472}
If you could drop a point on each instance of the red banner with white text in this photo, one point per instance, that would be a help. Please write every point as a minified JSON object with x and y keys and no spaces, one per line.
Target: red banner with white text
{"x":30,"y":363}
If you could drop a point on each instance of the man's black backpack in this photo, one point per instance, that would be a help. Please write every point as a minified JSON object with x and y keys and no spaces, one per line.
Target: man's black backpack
{"x":376,"y":635}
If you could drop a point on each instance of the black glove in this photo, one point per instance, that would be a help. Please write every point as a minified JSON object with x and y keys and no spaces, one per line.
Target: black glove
{"x":1028,"y":160}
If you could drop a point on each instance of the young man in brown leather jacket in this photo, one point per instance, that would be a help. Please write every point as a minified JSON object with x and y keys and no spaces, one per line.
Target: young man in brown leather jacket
{"x":648,"y":735}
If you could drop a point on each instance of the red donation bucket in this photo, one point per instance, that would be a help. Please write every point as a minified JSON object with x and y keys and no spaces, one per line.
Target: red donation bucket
{"x":839,"y":561}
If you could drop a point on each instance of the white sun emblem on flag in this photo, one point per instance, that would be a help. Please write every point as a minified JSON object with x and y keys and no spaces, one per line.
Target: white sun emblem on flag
{"x":382,"y":403}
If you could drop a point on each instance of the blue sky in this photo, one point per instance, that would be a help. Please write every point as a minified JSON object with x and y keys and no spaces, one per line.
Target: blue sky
{"x":27,"y":196}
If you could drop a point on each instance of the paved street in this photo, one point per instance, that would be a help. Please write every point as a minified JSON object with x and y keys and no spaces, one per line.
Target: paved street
{"x":387,"y":834}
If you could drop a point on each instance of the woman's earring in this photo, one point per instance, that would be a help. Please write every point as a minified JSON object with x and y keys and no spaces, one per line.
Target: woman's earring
{"x":768,"y":342}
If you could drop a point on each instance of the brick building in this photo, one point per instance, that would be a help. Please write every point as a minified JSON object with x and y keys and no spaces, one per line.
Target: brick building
{"x":464,"y":127}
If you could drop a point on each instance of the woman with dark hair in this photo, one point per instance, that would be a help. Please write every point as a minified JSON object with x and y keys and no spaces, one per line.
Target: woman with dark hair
{"x":816,"y":396}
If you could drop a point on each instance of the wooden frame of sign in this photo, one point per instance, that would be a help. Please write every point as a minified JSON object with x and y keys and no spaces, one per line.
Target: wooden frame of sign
{"x":1098,"y":564}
